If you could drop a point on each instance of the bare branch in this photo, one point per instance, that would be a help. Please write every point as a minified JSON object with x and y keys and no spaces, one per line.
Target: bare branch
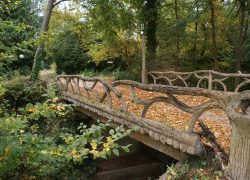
{"x":56,"y":3}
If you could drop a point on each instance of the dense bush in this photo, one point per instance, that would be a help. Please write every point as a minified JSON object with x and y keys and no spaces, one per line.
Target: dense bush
{"x":117,"y":74}
{"x":18,"y":27}
{"x":128,"y":75}
{"x":52,"y":151}
{"x":21,"y":91}
{"x":68,"y":54}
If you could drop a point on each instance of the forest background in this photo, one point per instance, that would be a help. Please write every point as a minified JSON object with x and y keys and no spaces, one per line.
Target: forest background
{"x":85,"y":36}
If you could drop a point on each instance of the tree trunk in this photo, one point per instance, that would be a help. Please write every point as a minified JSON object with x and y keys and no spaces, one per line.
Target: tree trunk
{"x":239,"y":160}
{"x":205,"y":37}
{"x":238,"y":55}
{"x":39,"y":52}
{"x":244,"y":20}
{"x":213,"y":30}
{"x":177,"y":23}
{"x":239,"y":166}
{"x":194,"y":49}
{"x":150,"y":19}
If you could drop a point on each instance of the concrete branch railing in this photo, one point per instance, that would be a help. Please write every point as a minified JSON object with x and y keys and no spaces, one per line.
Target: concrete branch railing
{"x":208,"y":79}
{"x":106,"y":97}
{"x":106,"y":100}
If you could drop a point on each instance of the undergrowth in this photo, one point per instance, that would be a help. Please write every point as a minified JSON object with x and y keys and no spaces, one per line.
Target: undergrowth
{"x":202,"y":168}
{"x":37,"y":140}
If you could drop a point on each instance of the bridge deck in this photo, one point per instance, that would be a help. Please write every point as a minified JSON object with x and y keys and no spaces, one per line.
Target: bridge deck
{"x":166,"y":114}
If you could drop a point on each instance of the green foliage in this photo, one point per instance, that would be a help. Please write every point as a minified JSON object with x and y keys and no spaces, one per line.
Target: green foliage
{"x":68,"y":54}
{"x":37,"y":63}
{"x":20,"y":91}
{"x":7,"y":46}
{"x":178,"y":173}
{"x":92,"y":73}
{"x":38,"y":141}
{"x":22,"y":142}
{"x":184,"y":35}
{"x":182,"y":30}
{"x":132,"y":74}
{"x":110,"y":31}
{"x":179,"y":32}
{"x":2,"y":88}
{"x":29,"y":151}
{"x":150,"y":16}
{"x":123,"y":48}
{"x":204,"y":168}
{"x":17,"y":30}
{"x":52,"y":90}
{"x":6,"y":6}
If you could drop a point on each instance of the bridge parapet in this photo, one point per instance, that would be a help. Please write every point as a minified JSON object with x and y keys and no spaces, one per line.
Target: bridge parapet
{"x":208,"y":79}
{"x":110,"y":100}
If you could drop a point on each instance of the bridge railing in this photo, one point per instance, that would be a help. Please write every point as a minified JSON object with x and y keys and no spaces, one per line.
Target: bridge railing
{"x":91,"y":89}
{"x":110,"y":101}
{"x":116,"y":100}
{"x":114,"y":97}
{"x":209,"y":79}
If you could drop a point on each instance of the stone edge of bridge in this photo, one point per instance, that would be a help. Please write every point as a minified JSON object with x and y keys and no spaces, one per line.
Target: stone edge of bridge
{"x":166,"y":139}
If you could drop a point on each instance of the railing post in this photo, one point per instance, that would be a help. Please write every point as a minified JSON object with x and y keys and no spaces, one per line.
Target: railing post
{"x":239,"y":166}
{"x":144,"y":73}
{"x":210,"y":80}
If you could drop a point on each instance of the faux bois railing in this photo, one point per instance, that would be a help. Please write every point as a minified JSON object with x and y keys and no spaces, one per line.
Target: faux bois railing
{"x":109,"y":101}
{"x":209,"y":79}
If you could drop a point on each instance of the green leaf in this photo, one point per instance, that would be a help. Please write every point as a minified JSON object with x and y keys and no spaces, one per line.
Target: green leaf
{"x":116,"y":152}
{"x":126,"y":149}
{"x":5,"y":48}
{"x":104,"y":156}
{"x":111,"y":132}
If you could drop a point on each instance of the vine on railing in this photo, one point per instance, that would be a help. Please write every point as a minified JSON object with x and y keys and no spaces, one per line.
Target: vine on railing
{"x":208,"y":79}
{"x":97,"y":91}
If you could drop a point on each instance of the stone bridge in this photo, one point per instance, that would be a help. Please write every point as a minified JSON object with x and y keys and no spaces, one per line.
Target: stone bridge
{"x":122,"y":102}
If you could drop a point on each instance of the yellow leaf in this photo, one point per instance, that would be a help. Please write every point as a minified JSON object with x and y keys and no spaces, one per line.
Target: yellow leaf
{"x":95,"y":153}
{"x":93,"y":145}
{"x":44,"y":152}
{"x":73,"y":152}
{"x":109,"y":139}
{"x":55,"y":99}
{"x":21,"y":131}
{"x":169,"y":177}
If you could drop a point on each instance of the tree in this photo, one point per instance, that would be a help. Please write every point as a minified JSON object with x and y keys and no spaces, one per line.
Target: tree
{"x":176,"y":11}
{"x":211,"y":4}
{"x":68,"y":54}
{"x":18,"y":26}
{"x":198,"y":34}
{"x":44,"y":28}
{"x":39,"y":52}
{"x":244,"y":14}
{"x":6,"y":6}
{"x":150,"y":16}
{"x":194,"y":48}
{"x":110,"y":31}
